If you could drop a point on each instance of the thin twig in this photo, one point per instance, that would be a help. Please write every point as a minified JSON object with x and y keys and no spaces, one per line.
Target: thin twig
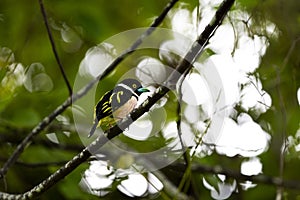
{"x":283,"y":148}
{"x":178,"y":122}
{"x":264,"y":179}
{"x":186,"y":179}
{"x":235,"y":35}
{"x":54,"y":47}
{"x":38,"y":165}
{"x":48,"y":119}
{"x":290,"y":51}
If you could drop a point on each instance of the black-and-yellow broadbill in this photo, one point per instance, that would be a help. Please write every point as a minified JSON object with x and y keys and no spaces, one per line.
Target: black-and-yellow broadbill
{"x":117,"y":103}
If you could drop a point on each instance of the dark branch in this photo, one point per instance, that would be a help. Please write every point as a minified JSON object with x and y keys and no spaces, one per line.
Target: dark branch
{"x":54,"y":47}
{"x":47,"y":120}
{"x":264,"y":179}
{"x":38,"y":165}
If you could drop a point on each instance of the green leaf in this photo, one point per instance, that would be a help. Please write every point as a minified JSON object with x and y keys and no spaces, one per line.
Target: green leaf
{"x":213,"y":181}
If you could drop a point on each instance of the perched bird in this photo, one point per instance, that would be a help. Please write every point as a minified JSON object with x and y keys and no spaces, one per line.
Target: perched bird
{"x":116,"y":104}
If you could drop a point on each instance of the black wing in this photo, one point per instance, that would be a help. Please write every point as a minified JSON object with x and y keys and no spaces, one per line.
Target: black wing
{"x":111,"y":101}
{"x":103,"y":107}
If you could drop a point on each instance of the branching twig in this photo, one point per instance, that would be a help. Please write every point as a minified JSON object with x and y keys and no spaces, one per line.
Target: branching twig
{"x":54,"y":47}
{"x":48,"y":119}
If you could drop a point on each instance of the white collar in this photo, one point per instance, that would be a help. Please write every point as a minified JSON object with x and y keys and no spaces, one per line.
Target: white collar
{"x":128,"y":88}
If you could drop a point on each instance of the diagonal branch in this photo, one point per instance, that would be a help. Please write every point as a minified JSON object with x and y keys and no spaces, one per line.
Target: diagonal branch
{"x":48,"y":119}
{"x":196,"y":49}
{"x":264,"y":179}
{"x":54,"y":47}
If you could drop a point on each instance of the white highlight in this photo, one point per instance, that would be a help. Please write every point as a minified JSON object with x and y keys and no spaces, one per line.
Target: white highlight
{"x":251,"y":167}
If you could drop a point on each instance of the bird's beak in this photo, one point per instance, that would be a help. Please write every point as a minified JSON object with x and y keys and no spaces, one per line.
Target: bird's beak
{"x":141,"y":90}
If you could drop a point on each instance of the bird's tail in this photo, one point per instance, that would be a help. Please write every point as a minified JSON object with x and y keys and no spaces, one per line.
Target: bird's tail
{"x":93,"y":129}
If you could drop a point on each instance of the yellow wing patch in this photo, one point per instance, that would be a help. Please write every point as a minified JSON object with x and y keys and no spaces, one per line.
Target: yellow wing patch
{"x":110,"y":98}
{"x":118,"y":96}
{"x":106,"y":110}
{"x":107,"y":122}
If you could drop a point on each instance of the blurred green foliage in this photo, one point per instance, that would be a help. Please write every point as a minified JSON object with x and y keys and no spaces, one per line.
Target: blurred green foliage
{"x":90,"y":22}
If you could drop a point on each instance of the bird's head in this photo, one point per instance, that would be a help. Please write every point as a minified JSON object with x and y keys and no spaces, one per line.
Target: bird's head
{"x":134,"y":85}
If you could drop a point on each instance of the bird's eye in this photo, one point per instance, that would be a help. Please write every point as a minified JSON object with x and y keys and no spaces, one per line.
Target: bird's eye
{"x":134,"y":85}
